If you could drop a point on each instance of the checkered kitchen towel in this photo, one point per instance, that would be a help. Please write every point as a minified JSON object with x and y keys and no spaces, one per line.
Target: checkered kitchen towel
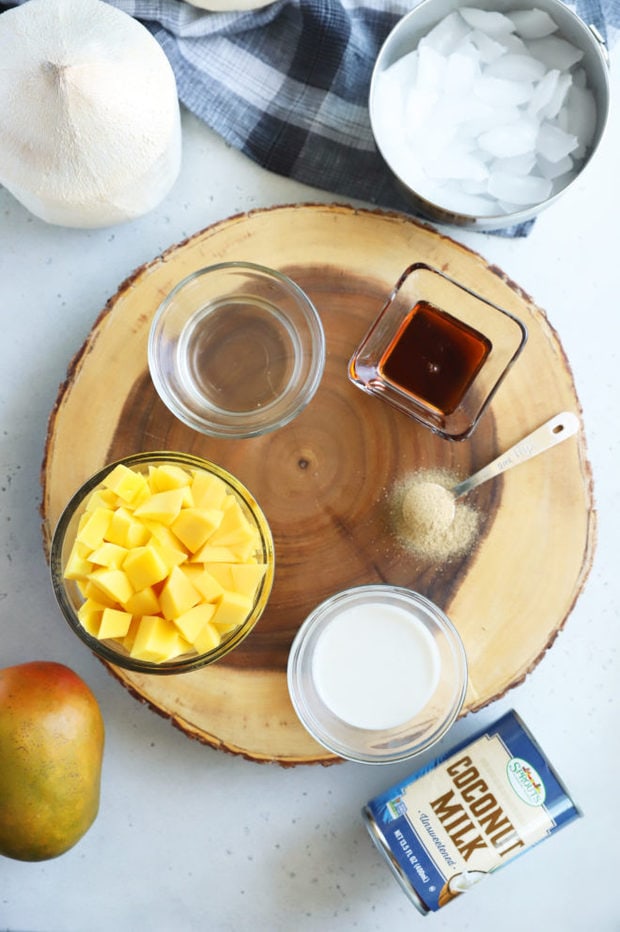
{"x":288,"y":84}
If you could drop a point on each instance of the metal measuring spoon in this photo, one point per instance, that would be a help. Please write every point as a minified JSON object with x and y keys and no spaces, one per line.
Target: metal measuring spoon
{"x":552,"y":432}
{"x":429,"y":507}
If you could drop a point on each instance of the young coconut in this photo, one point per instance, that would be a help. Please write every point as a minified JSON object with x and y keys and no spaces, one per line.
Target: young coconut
{"x":91,"y":130}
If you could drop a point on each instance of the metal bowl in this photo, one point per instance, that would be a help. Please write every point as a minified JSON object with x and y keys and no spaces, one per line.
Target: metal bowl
{"x":404,"y":38}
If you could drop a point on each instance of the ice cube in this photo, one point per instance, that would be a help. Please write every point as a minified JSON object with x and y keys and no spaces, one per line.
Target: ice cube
{"x":478,"y":117}
{"x":433,"y":142}
{"x":555,"y":52}
{"x":431,"y":68}
{"x":447,"y":34}
{"x":457,"y":163}
{"x":504,"y":207}
{"x":418,"y":106}
{"x":544,"y":91}
{"x":514,"y":44}
{"x":516,"y":138}
{"x":493,"y":23}
{"x":473,"y":187}
{"x":402,"y":72}
{"x":413,"y":175}
{"x":519,"y":189}
{"x":500,"y":92}
{"x":581,"y":114}
{"x":515,"y":67}
{"x":553,"y":143}
{"x":553,"y":170}
{"x":473,"y":205}
{"x":488,"y":49}
{"x":461,"y":72}
{"x":556,"y":101}
{"x":515,"y":164}
{"x":532,"y":24}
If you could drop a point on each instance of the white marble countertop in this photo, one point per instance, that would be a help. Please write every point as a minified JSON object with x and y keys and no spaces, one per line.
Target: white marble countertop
{"x":191,"y":838}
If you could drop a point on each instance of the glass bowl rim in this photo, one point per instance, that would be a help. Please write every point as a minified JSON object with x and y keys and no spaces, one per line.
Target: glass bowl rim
{"x":241,"y":425}
{"x":315,"y":727}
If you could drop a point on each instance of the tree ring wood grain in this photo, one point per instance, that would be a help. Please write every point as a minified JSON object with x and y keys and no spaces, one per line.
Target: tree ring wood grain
{"x":325,"y":481}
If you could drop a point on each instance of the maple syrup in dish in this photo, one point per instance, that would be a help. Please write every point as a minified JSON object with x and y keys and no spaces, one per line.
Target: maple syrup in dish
{"x":434,"y":357}
{"x":437,"y":351}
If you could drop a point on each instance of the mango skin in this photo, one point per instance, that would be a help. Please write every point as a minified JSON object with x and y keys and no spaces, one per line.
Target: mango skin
{"x":51,"y":751}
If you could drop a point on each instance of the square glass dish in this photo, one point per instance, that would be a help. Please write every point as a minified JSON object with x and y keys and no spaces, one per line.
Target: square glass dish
{"x":437,"y":351}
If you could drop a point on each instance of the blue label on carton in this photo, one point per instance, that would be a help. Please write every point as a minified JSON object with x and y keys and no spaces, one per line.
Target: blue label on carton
{"x":469,"y":813}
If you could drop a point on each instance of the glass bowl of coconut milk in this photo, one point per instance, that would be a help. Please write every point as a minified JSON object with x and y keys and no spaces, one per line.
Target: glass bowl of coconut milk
{"x":377,"y":673}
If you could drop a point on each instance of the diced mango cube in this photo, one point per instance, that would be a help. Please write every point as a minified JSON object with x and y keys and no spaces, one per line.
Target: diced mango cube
{"x":179,"y":645}
{"x":210,"y":554}
{"x":91,"y":591}
{"x":245,"y":551}
{"x":93,"y":529}
{"x":191,"y":622}
{"x":82,"y":586}
{"x":167,"y":476}
{"x":130,"y":637}
{"x":77,"y":566}
{"x":177,"y":594}
{"x":129,"y":485}
{"x":233,"y":519}
{"x":156,"y":639}
{"x":125,"y":530}
{"x":144,"y":602}
{"x":113,"y":582}
{"x":222,"y":573}
{"x":161,"y":506}
{"x":231,"y":610}
{"x":166,"y":544}
{"x":236,"y":532}
{"x":144,"y":567}
{"x":194,"y":526}
{"x":101,"y":498}
{"x":114,"y":623}
{"x":89,"y":614}
{"x":208,"y":639}
{"x":240,"y":577}
{"x":248,"y":577}
{"x":208,"y":491}
{"x":206,"y":583}
{"x":108,"y":554}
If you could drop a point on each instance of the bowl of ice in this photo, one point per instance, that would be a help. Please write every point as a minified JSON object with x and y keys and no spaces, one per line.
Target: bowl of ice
{"x":486,"y":112}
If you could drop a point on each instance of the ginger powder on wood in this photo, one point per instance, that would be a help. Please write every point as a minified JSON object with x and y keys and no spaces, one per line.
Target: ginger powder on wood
{"x":429,"y":520}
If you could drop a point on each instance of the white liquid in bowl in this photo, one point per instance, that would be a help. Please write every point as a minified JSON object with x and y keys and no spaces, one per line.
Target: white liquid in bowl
{"x":375,"y":666}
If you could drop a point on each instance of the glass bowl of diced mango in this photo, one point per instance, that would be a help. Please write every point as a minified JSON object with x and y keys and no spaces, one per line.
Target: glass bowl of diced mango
{"x":162,"y":562}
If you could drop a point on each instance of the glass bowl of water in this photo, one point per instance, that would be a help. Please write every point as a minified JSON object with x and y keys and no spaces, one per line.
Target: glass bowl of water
{"x":486,"y":112}
{"x":236,"y":350}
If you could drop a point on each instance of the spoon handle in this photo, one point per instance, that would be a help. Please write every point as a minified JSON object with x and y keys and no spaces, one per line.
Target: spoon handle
{"x":554,"y":431}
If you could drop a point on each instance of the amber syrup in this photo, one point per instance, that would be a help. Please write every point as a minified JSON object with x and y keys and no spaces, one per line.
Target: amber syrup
{"x":434,"y":357}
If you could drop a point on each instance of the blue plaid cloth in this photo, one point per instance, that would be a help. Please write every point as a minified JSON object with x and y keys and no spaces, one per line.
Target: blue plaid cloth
{"x":288,"y":84}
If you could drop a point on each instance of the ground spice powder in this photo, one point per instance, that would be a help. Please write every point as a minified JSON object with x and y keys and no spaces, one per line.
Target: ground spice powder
{"x":429,"y":521}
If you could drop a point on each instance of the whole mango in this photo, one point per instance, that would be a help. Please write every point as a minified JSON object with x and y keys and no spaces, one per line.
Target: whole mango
{"x":51,"y":750}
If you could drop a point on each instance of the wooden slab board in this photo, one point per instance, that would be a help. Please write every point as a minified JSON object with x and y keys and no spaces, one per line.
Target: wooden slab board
{"x":325,"y":481}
